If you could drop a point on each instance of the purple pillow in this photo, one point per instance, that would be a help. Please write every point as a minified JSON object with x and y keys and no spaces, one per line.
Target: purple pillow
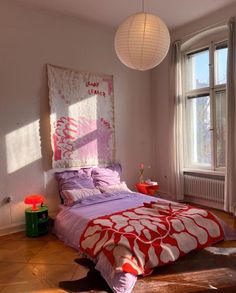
{"x":115,"y":167}
{"x":74,"y":179}
{"x":105,"y":176}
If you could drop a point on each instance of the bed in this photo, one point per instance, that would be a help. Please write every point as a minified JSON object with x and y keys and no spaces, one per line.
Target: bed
{"x":126,"y":233}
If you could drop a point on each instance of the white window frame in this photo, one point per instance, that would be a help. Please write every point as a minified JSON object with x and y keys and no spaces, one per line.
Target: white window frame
{"x":211,"y":91}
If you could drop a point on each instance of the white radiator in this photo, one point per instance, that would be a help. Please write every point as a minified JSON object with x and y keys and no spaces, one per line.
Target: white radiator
{"x":204,"y":188}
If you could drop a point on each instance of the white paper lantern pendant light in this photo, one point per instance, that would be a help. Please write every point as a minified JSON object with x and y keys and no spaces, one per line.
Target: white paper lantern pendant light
{"x":142,"y":41}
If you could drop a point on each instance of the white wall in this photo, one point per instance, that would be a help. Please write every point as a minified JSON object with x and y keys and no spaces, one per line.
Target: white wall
{"x":30,"y":38}
{"x":161,"y":95}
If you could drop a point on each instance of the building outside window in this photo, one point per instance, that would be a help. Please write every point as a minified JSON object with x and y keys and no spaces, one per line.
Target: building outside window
{"x":205,"y":74}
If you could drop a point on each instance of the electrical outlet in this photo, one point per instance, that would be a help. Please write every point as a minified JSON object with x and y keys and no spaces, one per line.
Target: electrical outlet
{"x":8,"y":199}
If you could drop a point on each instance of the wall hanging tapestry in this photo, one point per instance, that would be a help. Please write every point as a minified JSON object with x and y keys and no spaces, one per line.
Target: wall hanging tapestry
{"x":82,"y":118}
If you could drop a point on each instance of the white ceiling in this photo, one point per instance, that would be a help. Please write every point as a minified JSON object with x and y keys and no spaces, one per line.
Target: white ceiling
{"x":111,"y":13}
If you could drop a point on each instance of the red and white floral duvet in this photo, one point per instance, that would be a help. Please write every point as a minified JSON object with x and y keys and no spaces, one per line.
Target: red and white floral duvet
{"x":139,"y":239}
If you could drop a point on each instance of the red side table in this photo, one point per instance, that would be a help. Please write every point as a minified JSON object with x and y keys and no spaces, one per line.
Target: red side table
{"x":146,"y":188}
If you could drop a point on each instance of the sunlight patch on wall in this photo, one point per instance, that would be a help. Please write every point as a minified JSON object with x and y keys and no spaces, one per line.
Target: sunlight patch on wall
{"x":23,"y":146}
{"x":85,"y":129}
{"x":76,"y":109}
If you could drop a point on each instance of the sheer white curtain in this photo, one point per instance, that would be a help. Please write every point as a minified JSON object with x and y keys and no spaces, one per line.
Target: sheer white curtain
{"x":230,"y":180}
{"x":176,"y":180}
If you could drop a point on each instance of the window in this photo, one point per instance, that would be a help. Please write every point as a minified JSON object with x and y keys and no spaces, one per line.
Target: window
{"x":205,"y":73}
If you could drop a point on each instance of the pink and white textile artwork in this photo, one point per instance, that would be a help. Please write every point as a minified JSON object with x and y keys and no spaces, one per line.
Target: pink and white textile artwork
{"x":82,"y":118}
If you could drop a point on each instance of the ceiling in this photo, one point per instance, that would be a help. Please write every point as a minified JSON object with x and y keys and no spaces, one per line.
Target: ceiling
{"x":111,"y":13}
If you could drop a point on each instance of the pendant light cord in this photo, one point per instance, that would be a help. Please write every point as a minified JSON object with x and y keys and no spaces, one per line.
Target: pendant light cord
{"x":143,"y":6}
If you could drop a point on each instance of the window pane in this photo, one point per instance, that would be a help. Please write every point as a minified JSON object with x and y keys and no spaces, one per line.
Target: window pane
{"x":199,"y":135}
{"x":220,"y":65}
{"x":220,"y":128}
{"x":197,"y":70}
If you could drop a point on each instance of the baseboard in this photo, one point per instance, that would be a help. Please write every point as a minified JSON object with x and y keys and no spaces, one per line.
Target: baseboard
{"x":13,"y":228}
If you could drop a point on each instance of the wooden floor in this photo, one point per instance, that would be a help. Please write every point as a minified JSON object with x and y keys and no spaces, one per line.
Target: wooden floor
{"x":38,"y":265}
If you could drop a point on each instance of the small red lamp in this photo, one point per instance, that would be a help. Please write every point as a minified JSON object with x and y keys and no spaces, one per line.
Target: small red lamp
{"x":34,"y":199}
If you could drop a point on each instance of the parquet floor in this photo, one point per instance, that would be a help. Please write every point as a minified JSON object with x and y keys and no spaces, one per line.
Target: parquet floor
{"x":37,"y":265}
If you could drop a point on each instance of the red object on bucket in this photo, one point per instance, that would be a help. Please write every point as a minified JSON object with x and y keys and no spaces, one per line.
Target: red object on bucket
{"x":34,"y":199}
